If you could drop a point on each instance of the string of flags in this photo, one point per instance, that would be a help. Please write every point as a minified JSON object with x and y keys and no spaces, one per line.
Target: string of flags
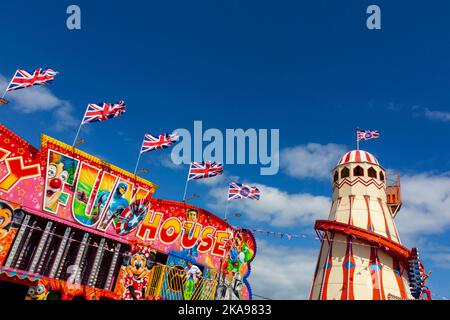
{"x":282,"y":235}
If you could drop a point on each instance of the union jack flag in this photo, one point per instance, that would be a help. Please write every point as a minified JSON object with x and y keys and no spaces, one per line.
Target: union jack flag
{"x":204,"y":170}
{"x":163,"y":141}
{"x":23,"y":79}
{"x":103,"y":111}
{"x":367,"y":134}
{"x":243,"y":191}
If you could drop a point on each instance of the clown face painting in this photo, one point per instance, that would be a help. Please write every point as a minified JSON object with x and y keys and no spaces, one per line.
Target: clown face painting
{"x":56,"y":178}
{"x":60,"y":171}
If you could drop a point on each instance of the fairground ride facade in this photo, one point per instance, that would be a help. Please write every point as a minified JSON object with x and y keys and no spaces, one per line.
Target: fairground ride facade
{"x":75,"y":227}
{"x":361,"y":257}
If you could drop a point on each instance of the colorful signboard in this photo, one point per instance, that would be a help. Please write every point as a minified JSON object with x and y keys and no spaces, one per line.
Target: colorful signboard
{"x":69,"y":186}
{"x":91,"y":193}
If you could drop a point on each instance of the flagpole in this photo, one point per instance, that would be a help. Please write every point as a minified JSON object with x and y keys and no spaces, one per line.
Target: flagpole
{"x":79,"y":128}
{"x":76,"y":136}
{"x":137,"y":163}
{"x":185,"y":186}
{"x":357,"y":139}
{"x":139,"y":157}
{"x":226,"y":210}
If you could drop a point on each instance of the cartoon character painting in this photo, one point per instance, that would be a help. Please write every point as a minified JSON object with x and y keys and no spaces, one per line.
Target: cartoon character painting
{"x":191,"y":216}
{"x":38,"y":292}
{"x":132,"y":216}
{"x":237,"y":267}
{"x":9,"y":220}
{"x":193,"y":275}
{"x":138,"y":267}
{"x":240,"y":254}
{"x":117,"y":205}
{"x":6,"y":217}
{"x":60,"y":170}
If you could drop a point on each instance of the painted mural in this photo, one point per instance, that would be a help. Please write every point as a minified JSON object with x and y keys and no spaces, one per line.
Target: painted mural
{"x":95,"y":195}
{"x":81,"y":192}
{"x":20,"y":184}
{"x":8,"y":229}
{"x":236,"y":269}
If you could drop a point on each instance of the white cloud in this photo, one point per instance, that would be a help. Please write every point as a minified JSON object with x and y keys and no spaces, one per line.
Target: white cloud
{"x":64,"y":118}
{"x":426,"y":208}
{"x":276,"y":207}
{"x":282,"y":272}
{"x":162,"y":158}
{"x":312,"y":160}
{"x":441,"y":260}
{"x":222,"y":179}
{"x":38,"y":98}
{"x":437,"y":115}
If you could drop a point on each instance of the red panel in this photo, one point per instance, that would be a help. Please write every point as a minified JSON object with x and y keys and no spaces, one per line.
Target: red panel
{"x":327,"y":270}
{"x":392,"y":248}
{"x":369,"y":159}
{"x":385,"y":220}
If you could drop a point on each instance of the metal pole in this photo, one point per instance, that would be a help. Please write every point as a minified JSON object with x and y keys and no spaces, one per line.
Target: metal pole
{"x":226,"y":210}
{"x":357,"y":139}
{"x":185,"y":186}
{"x":76,"y":136}
{"x":137,"y":163}
{"x":185,"y":189}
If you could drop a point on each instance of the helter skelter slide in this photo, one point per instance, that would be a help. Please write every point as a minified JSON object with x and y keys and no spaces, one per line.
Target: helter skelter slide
{"x":361,"y":256}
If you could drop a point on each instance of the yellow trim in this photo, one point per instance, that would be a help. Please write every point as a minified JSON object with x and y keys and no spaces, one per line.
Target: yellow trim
{"x":45,"y":140}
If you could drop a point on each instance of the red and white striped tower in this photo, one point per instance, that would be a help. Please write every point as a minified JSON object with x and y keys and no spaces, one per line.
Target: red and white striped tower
{"x":361,"y":257}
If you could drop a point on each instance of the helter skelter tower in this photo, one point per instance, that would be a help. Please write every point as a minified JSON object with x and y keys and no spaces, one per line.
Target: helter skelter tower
{"x":361,"y":257}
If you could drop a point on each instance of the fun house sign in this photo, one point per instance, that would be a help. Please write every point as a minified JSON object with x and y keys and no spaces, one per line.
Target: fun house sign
{"x":64,"y":184}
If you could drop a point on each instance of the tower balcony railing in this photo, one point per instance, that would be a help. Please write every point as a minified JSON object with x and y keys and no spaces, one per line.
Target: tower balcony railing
{"x":394,"y":194}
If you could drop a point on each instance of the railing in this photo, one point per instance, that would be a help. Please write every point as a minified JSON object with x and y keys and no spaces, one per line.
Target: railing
{"x":394,"y":194}
{"x":172,"y":283}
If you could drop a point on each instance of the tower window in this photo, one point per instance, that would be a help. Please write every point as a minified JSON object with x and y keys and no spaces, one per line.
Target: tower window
{"x":372,"y":172}
{"x":358,"y":171}
{"x":345,"y":173}
{"x":336,"y":176}
{"x":381,"y":176}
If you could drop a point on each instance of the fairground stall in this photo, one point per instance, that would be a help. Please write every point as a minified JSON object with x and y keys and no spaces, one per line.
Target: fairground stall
{"x":75,"y":227}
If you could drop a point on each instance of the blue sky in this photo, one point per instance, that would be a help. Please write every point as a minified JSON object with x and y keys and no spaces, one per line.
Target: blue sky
{"x":311,"y":69}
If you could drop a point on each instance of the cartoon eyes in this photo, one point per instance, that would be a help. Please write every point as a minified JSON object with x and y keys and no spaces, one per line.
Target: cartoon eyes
{"x":51,"y":171}
{"x":137,"y":264}
{"x":64,"y":176}
{"x":40,"y":289}
{"x":31,"y":291}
